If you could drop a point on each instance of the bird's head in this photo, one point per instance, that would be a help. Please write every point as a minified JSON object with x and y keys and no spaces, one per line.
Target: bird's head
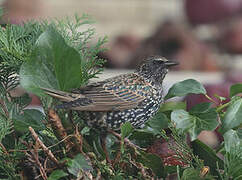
{"x":155,"y":68}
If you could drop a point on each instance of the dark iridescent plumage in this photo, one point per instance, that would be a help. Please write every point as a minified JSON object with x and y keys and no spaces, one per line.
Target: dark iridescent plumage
{"x":131,"y":97}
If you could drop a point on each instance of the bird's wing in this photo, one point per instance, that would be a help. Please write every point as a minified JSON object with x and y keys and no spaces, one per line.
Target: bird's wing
{"x":119,"y":93}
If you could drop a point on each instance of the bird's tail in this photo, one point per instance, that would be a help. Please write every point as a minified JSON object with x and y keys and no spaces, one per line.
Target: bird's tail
{"x":71,"y":100}
{"x":61,"y":95}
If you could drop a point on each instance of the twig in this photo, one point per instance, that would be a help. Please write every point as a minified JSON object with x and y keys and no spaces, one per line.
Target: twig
{"x":127,"y":141}
{"x":58,"y":127}
{"x":4,"y":149}
{"x":209,"y":98}
{"x":220,"y":108}
{"x":45,"y":149}
{"x":79,"y":139}
{"x":36,"y":157}
{"x":24,"y":150}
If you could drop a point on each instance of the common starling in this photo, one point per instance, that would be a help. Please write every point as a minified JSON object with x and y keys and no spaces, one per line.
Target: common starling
{"x":134,"y":97}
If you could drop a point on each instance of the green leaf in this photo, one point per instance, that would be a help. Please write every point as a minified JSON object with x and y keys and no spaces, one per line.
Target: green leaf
{"x":57,"y":174}
{"x":231,"y":140}
{"x":207,"y":154}
{"x":239,"y":132}
{"x":36,"y":73}
{"x":53,"y":64}
{"x":170,"y":169}
{"x":235,"y":89}
{"x":232,"y":117}
{"x":29,"y":117}
{"x":158,"y":122}
{"x":233,"y":155}
{"x":112,"y":146}
{"x":85,"y":130}
{"x":183,"y":120}
{"x":205,"y":119}
{"x":97,"y":146}
{"x":170,"y":106}
{"x":77,"y":165}
{"x":189,"y":86}
{"x":200,"y":117}
{"x":142,"y":137}
{"x":200,"y":108}
{"x":153,"y":162}
{"x":126,"y":129}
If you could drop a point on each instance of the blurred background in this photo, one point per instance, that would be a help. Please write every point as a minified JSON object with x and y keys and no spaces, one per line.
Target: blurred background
{"x":204,"y":36}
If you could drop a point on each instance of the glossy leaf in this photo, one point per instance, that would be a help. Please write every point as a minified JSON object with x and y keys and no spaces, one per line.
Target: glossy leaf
{"x":154,"y":162}
{"x":29,"y":117}
{"x":143,"y":137}
{"x":36,"y":73}
{"x":231,"y":140}
{"x":233,"y":116}
{"x":97,"y":146}
{"x":200,"y":108}
{"x":233,"y":155}
{"x":53,"y":64}
{"x":126,"y":129}
{"x":182,"y":119}
{"x":78,"y":164}
{"x":205,"y":119}
{"x":183,"y":88}
{"x":57,"y":174}
{"x":235,"y":89}
{"x":200,"y":117}
{"x":170,"y":106}
{"x":158,"y":122}
{"x":207,"y":154}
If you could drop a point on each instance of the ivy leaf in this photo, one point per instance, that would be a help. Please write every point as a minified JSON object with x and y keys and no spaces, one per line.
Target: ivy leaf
{"x":200,"y":108}
{"x":36,"y":73}
{"x":158,"y":122}
{"x":235,"y":89}
{"x":126,"y":129}
{"x":170,"y":106}
{"x":189,"y":86}
{"x":143,"y":137}
{"x":232,"y":117}
{"x":77,"y":165}
{"x":53,"y":64}
{"x":206,"y":118}
{"x":29,"y":117}
{"x":57,"y":174}
{"x":183,"y":120}
{"x":231,"y":140}
{"x":153,"y":162}
{"x":200,"y":117}
{"x":233,"y":155}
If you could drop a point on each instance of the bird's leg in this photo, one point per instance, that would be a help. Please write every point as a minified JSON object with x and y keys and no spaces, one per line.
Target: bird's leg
{"x":103,"y":143}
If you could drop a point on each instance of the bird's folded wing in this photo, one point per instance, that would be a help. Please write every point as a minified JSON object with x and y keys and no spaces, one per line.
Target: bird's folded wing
{"x":109,"y":95}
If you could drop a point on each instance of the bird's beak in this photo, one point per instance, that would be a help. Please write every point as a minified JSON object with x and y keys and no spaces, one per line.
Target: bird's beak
{"x":171,"y":63}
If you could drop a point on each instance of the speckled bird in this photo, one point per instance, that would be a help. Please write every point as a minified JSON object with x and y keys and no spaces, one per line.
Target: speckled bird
{"x":133,"y":97}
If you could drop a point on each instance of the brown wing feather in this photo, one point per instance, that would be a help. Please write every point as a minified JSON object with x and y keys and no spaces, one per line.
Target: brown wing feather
{"x":109,"y":95}
{"x":115,"y":93}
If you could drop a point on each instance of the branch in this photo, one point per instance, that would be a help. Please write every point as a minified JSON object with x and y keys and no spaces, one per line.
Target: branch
{"x":45,"y":149}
